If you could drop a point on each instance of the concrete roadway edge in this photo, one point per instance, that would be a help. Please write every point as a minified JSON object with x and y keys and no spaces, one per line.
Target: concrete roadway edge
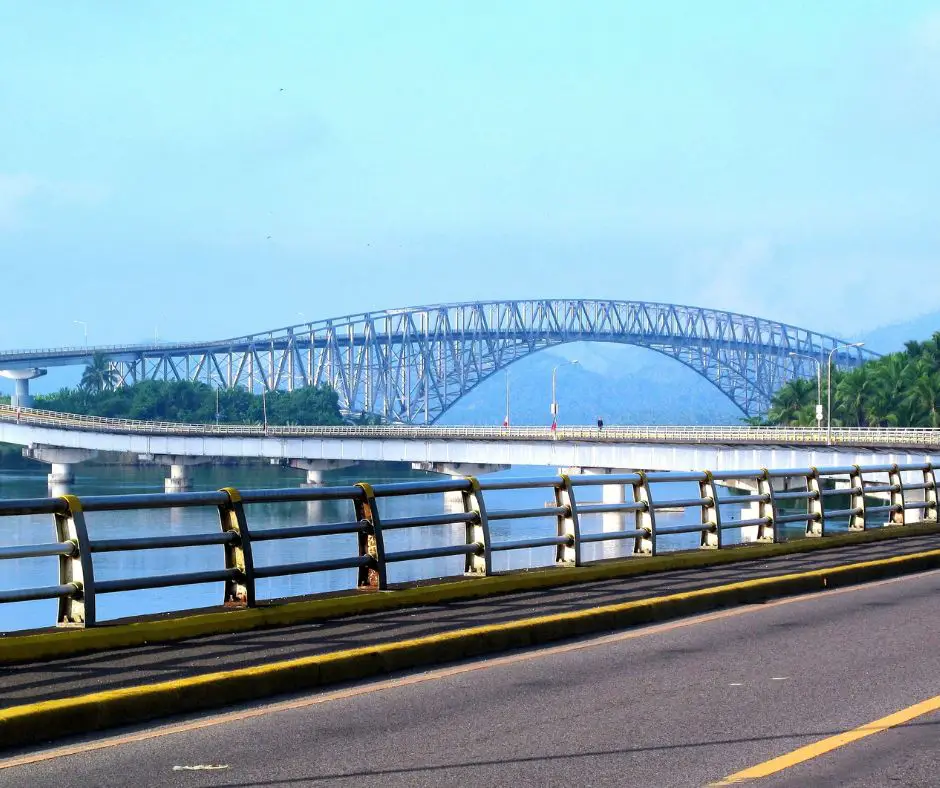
{"x":46,"y":720}
{"x":68,"y":641}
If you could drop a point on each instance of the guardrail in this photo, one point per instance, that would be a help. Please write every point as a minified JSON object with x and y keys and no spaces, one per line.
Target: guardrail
{"x":874,"y":437}
{"x":777,"y":497}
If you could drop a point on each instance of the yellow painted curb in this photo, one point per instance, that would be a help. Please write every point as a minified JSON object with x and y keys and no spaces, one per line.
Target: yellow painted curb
{"x":15,"y":649}
{"x":42,"y":721}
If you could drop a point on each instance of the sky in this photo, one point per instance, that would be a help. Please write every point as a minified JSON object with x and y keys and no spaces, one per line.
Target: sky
{"x":204,"y":170}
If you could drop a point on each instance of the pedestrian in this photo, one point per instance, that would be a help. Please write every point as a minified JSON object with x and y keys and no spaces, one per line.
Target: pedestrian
{"x":600,"y":423}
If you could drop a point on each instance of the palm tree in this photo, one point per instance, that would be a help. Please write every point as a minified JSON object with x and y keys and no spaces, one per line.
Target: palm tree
{"x":923,"y":400}
{"x":853,"y":397}
{"x":791,"y":400}
{"x":99,"y":375}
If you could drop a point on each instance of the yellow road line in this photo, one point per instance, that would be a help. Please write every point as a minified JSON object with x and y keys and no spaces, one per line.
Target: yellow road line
{"x":421,"y":678}
{"x":831,"y":743}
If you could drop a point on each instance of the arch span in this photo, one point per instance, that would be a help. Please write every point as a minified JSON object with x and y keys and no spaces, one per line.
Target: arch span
{"x":411,"y":365}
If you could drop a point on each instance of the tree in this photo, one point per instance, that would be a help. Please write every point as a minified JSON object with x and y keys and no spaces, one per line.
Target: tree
{"x":98,"y":375}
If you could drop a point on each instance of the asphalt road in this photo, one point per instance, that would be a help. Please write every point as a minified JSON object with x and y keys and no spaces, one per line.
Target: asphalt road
{"x":29,"y":683}
{"x":684,"y":703}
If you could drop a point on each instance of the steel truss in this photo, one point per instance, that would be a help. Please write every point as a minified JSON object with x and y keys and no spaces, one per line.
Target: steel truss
{"x":410,"y":365}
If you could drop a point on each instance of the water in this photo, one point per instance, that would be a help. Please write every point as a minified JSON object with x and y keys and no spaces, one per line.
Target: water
{"x":100,"y":480}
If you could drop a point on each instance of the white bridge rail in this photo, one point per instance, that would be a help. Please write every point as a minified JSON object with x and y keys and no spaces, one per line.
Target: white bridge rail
{"x":875,"y":437}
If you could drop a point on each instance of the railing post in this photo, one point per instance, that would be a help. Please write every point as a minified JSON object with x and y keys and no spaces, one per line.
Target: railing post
{"x":711,"y":514}
{"x":478,"y":531}
{"x":857,"y":500}
{"x":645,"y":517}
{"x":896,"y":499}
{"x":930,"y":494}
{"x":568,"y":554}
{"x":816,"y":525}
{"x":371,"y":542}
{"x":239,"y":590}
{"x":767,"y":508}
{"x":77,"y":568}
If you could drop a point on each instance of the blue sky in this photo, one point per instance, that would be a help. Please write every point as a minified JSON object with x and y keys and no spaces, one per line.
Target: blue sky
{"x":215,"y":168}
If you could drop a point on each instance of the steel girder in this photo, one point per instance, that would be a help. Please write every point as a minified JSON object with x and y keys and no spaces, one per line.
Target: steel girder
{"x":410,"y":365}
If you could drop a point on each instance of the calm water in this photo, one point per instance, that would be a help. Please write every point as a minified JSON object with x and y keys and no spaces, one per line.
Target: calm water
{"x":116,"y":479}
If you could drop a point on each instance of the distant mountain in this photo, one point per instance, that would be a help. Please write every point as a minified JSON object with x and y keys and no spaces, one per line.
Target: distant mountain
{"x":621,"y":384}
{"x":891,"y":338}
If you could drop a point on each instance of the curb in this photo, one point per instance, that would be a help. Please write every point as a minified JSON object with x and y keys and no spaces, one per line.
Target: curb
{"x":64,"y":642}
{"x":40,"y":722}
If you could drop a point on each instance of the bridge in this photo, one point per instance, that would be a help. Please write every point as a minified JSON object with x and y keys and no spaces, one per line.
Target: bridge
{"x":741,"y":662}
{"x":410,"y":365}
{"x":64,"y":439}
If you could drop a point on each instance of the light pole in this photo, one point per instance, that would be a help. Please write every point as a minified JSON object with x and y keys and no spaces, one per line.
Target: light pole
{"x":819,"y":407}
{"x":84,"y":326}
{"x":829,"y":388}
{"x":554,"y":398}
{"x":264,"y":407}
{"x":506,"y":421}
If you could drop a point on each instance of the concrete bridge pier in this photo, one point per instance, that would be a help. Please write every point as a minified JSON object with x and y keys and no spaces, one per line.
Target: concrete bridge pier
{"x":453,"y":501}
{"x":317,"y":468}
{"x":21,"y":396}
{"x":61,"y":460}
{"x":180,"y":478}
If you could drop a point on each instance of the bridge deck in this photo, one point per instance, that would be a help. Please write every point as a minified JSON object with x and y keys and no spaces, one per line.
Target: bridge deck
{"x":81,"y":675}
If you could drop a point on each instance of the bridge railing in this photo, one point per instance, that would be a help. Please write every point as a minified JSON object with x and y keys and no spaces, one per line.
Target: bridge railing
{"x":876,"y":496}
{"x":919,"y":437}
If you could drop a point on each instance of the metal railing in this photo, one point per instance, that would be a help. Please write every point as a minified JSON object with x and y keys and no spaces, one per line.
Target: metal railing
{"x":775,"y":498}
{"x":870,"y":437}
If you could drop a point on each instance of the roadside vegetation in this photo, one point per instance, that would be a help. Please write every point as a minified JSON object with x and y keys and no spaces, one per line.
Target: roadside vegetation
{"x":898,"y":390}
{"x":155,"y":400}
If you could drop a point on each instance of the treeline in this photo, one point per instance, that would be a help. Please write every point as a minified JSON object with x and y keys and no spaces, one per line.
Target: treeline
{"x":898,"y":390}
{"x":157,"y":400}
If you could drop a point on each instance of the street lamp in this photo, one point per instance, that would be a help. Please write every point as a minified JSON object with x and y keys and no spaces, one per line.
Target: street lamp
{"x":819,"y":407}
{"x":506,"y":421}
{"x":84,"y":326}
{"x":829,"y":388}
{"x":554,"y":398}
{"x":264,"y":406}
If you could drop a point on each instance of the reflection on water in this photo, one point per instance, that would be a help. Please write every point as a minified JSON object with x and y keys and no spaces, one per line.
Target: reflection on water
{"x":108,"y":525}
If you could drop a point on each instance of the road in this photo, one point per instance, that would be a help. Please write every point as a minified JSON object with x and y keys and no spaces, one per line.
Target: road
{"x":74,"y":676}
{"x":686,"y":703}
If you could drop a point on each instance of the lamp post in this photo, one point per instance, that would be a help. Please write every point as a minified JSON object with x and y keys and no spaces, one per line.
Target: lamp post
{"x":506,"y":421}
{"x":84,"y":326}
{"x":829,"y":388}
{"x":554,"y":389}
{"x":264,"y":406}
{"x":819,"y":407}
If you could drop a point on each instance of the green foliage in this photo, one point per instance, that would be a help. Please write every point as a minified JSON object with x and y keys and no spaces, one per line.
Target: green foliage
{"x":898,"y":390}
{"x":99,"y":375}
{"x":195,"y":403}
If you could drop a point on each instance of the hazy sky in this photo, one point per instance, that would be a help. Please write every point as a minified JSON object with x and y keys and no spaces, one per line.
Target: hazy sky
{"x":216,"y":168}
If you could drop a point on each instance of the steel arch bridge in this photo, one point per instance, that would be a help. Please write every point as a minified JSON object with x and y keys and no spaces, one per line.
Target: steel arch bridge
{"x":410,"y":365}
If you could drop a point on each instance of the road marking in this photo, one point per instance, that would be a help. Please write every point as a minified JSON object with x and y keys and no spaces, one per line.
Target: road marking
{"x":779,"y":678}
{"x":201,"y":767}
{"x":735,"y":684}
{"x":431,"y":675}
{"x":823,"y":746}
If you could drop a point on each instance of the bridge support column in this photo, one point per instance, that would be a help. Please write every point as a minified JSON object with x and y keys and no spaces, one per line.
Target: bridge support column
{"x":453,"y":501}
{"x":180,"y":479}
{"x":61,"y":460}
{"x":21,"y":396}
{"x":316,"y":468}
